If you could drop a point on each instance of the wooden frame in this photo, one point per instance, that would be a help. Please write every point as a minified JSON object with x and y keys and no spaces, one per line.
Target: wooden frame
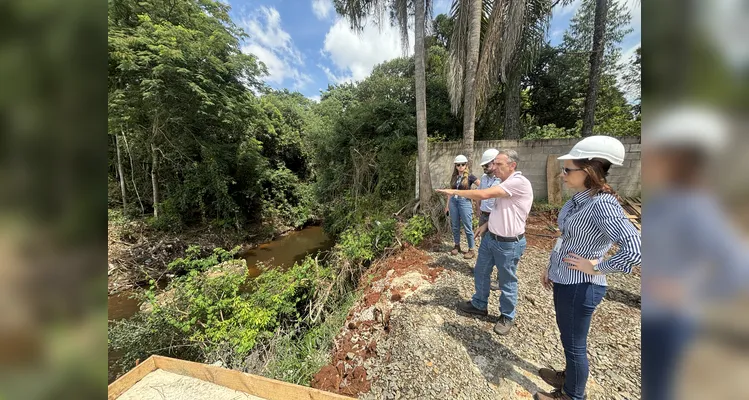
{"x":269,"y":389}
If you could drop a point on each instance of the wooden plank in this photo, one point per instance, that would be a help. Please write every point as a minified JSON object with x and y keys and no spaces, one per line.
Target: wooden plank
{"x":553,"y":181}
{"x":132,"y":377}
{"x":259,"y":386}
{"x":634,"y":206}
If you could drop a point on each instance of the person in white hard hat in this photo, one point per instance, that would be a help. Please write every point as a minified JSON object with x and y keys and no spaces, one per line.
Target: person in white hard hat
{"x":695,"y":255}
{"x":460,"y":209}
{"x":590,"y":223}
{"x":488,"y":179}
{"x":504,"y":242}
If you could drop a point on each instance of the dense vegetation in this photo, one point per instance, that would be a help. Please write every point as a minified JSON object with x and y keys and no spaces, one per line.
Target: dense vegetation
{"x":197,"y":139}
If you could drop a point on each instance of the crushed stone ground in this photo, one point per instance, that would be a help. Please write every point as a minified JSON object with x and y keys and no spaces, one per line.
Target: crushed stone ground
{"x":405,"y":340}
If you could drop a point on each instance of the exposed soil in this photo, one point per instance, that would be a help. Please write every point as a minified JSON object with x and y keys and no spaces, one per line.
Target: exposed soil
{"x":387,"y":283}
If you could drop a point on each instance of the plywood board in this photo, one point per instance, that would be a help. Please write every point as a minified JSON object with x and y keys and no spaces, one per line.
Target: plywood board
{"x":132,"y":377}
{"x":553,"y":181}
{"x":266,"y":388}
{"x":255,"y":385}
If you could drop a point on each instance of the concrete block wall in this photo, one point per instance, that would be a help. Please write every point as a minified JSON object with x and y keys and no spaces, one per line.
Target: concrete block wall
{"x":533,"y":155}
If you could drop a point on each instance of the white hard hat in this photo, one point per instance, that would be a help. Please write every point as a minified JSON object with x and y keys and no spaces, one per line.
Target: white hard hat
{"x":687,"y":126}
{"x":488,"y":156}
{"x":591,"y":147}
{"x":460,"y":159}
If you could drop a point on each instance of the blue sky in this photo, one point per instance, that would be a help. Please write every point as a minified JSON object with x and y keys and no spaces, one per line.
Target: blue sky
{"x":305,"y":45}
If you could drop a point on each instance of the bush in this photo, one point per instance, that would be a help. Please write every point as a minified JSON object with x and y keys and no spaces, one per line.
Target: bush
{"x":417,"y":228}
{"x":286,"y":199}
{"x":550,"y":131}
{"x":192,"y":260}
{"x":356,"y":245}
{"x":366,"y":241}
{"x":204,"y":317}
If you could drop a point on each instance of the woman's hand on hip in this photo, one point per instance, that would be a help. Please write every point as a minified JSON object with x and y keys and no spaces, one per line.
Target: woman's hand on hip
{"x":545,"y":281}
{"x":581,"y":264}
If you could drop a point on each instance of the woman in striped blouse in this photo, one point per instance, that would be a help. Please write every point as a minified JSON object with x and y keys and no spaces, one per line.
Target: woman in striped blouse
{"x":590,"y":223}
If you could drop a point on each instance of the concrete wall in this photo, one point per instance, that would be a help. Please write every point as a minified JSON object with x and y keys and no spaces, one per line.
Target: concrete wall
{"x":533,"y":155}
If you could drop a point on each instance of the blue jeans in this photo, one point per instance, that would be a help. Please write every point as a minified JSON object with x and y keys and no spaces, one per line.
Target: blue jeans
{"x":505,"y":255}
{"x":663,"y":344}
{"x":461,"y":213}
{"x":574,"y":306}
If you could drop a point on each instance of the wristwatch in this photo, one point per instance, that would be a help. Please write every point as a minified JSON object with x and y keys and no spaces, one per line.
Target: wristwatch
{"x":595,"y":268}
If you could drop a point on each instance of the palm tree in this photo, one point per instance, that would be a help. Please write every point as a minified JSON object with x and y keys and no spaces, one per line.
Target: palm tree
{"x":462,"y":64}
{"x":503,"y":27}
{"x":356,"y":11}
{"x":537,"y":20}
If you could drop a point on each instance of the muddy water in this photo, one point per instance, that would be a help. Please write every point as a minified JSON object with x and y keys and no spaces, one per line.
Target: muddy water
{"x":284,"y":252}
{"x":280,"y":253}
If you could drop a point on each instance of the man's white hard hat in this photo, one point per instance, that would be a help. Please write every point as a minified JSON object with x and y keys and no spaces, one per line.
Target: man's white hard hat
{"x":489,"y":156}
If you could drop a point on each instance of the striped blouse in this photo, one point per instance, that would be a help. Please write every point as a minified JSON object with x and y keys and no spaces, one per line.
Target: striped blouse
{"x":590,"y":225}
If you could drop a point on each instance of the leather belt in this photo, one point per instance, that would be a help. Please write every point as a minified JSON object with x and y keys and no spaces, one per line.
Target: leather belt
{"x":506,"y":239}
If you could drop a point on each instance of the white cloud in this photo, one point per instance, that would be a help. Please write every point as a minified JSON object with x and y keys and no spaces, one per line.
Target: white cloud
{"x":355,"y":54}
{"x":441,"y":7}
{"x":565,"y":10}
{"x":315,"y":98}
{"x":322,"y":8}
{"x":274,"y":47}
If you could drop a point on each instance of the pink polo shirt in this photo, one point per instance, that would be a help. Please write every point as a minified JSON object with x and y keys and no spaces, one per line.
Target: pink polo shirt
{"x":509,"y":213}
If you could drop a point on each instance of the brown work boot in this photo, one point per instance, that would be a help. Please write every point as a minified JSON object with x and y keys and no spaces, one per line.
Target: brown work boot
{"x":503,"y":326}
{"x":468,"y":308}
{"x":455,"y":250}
{"x":468,"y":255}
{"x":552,"y":377}
{"x":557,"y":394}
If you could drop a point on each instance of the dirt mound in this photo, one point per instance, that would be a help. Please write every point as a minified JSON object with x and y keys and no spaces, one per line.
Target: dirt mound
{"x":386,"y":284}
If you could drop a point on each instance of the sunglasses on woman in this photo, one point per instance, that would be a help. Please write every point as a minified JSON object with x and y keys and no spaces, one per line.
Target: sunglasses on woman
{"x":460,"y":165}
{"x":567,"y":171}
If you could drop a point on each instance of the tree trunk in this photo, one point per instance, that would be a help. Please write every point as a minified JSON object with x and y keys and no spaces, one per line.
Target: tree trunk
{"x":425,"y":181}
{"x":155,"y":179}
{"x":469,"y":89}
{"x":121,"y":174}
{"x":596,"y":59}
{"x":511,"y":128}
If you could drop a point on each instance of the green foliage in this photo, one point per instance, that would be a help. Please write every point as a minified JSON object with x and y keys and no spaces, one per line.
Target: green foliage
{"x":417,"y":228}
{"x":356,"y":244}
{"x":296,"y":359}
{"x":203,"y":316}
{"x":286,"y":199}
{"x":364,"y":242}
{"x":193,"y":261}
{"x":550,"y":132}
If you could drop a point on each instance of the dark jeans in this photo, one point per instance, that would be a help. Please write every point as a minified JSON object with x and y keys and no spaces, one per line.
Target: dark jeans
{"x":574,"y":306}
{"x":663,"y":342}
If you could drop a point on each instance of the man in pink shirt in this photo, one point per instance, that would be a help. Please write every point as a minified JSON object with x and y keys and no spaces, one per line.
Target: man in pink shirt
{"x":504,"y":243}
